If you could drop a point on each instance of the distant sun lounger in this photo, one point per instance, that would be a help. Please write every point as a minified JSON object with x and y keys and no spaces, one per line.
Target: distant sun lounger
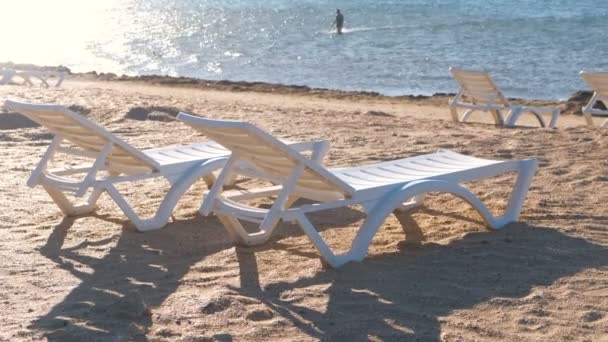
{"x":380,"y":189}
{"x":42,"y":76}
{"x":28,"y":77}
{"x":114,"y":161}
{"x":478,"y":92}
{"x":598,"y":81}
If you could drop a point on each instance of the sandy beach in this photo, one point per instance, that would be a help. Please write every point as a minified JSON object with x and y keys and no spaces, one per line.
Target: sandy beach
{"x":95,"y":278}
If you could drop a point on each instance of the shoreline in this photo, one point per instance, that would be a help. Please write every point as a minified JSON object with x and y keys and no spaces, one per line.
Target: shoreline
{"x":572,"y":105}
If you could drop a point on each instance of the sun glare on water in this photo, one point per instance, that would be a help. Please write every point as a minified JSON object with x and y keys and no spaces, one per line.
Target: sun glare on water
{"x":54,"y":32}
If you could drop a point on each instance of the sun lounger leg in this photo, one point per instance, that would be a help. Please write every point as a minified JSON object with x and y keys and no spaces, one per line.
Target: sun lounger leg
{"x":169,"y":202}
{"x":540,"y":119}
{"x":60,"y":80}
{"x":412,"y":231}
{"x":517,"y":111}
{"x":67,"y":207}
{"x":233,"y":227}
{"x":588,"y":119}
{"x":379,"y":214}
{"x":498,"y":119}
{"x":587,"y":110}
{"x":465,"y":115}
{"x":27,"y":81}
{"x":513,"y":116}
{"x":554,"y":116}
{"x":454,"y":113}
{"x":518,"y":196}
{"x":386,"y":207}
{"x":393,"y":203}
{"x":326,"y":253}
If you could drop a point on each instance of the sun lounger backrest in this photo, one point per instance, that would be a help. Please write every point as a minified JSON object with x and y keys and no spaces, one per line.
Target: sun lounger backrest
{"x":479,"y":87}
{"x":85,"y":134}
{"x":249,"y":143}
{"x":598,"y":81}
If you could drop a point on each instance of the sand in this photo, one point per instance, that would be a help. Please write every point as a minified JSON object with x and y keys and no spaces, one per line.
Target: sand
{"x":94,"y":277}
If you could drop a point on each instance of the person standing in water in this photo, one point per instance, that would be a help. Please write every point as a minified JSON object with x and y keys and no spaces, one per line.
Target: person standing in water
{"x":339,"y":21}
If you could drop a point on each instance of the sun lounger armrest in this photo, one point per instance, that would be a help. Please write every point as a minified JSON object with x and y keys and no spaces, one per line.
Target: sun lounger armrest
{"x":318,"y":148}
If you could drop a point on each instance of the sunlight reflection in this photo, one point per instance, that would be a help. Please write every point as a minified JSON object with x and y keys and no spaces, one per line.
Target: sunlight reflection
{"x":55,"y":32}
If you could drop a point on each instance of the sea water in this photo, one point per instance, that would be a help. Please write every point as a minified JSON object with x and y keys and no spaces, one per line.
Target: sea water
{"x":533,"y":48}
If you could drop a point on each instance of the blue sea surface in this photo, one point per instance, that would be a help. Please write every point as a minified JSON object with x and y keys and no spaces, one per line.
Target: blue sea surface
{"x":533,"y":48}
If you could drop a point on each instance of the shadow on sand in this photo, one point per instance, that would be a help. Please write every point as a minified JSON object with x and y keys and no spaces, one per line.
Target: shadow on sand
{"x":402,"y":296}
{"x":116,"y":291}
{"x":393,"y":296}
{"x":113,"y":300}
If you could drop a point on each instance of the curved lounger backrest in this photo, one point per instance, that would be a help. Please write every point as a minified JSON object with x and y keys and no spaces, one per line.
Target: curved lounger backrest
{"x":479,"y":87}
{"x":248,"y":142}
{"x":86,"y":135}
{"x":598,"y":81}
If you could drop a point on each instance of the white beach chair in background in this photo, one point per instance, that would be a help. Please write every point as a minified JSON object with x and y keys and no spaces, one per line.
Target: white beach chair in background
{"x":28,"y":75}
{"x":42,"y":76}
{"x":115,"y":161}
{"x":479,"y":92}
{"x":598,"y":81}
{"x":379,"y":188}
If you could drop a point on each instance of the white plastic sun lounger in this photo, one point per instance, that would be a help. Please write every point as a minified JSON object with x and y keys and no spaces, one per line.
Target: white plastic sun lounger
{"x":479,"y":92}
{"x":27,"y":75}
{"x":115,"y":162}
{"x":379,"y":188}
{"x":42,"y":76}
{"x":598,"y":81}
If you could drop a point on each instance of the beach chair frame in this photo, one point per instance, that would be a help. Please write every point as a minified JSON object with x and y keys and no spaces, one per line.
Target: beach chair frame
{"x":77,"y":136}
{"x":598,"y":81}
{"x":302,"y":178}
{"x":482,"y":94}
{"x":27,"y":75}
